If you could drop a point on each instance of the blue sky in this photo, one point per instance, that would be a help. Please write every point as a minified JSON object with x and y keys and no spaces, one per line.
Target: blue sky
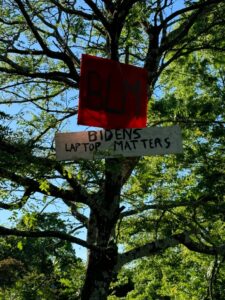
{"x":70,"y":126}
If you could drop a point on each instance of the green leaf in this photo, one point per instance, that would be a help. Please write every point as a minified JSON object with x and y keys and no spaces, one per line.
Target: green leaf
{"x":20,"y":245}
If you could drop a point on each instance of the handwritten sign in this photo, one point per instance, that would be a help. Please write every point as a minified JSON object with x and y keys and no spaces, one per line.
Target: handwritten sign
{"x":112,"y":94}
{"x":118,"y":143}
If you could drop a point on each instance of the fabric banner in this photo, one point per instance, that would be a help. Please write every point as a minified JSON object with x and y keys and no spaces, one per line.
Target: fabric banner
{"x":112,"y":95}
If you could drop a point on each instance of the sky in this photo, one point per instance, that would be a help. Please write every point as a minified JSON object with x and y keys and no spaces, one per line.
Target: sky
{"x":70,"y":126}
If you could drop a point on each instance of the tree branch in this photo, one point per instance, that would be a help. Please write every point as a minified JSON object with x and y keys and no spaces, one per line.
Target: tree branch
{"x":157,"y":246}
{"x":61,"y":41}
{"x":52,"y":190}
{"x":31,"y":26}
{"x":176,"y":35}
{"x":17,"y":205}
{"x":76,"y":194}
{"x":145,"y":250}
{"x":199,"y":5}
{"x":72,"y":11}
{"x":55,"y":75}
{"x":46,"y":234}
{"x":98,"y":13}
{"x":167,"y":206}
{"x":52,"y":54}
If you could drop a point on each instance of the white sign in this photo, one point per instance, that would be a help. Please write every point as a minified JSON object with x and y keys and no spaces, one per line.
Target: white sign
{"x":118,"y":143}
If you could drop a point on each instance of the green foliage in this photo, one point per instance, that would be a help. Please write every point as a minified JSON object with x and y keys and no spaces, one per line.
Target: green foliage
{"x":40,"y":268}
{"x":10,"y":271}
{"x":163,"y":197}
{"x":193,"y":96}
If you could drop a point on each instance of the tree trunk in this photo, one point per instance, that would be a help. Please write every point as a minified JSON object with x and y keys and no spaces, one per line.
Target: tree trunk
{"x":100,"y":262}
{"x":99,"y":274}
{"x":101,"y":233}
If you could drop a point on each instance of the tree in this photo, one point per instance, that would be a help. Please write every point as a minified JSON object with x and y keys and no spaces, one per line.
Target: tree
{"x":146,"y":204}
{"x":41,"y":268}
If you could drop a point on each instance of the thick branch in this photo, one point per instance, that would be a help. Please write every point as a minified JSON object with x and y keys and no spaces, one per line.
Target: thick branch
{"x":109,"y":5}
{"x":116,"y":26}
{"x":162,"y":244}
{"x":200,"y":5}
{"x":98,"y":13}
{"x":55,"y":75}
{"x":76,"y":194}
{"x":31,"y":26}
{"x":52,"y":190}
{"x":45,"y":234}
{"x":176,"y":35}
{"x":73,"y":11}
{"x":145,"y":250}
{"x":52,"y":54}
{"x":127,"y":167}
{"x":166,"y":206}
{"x":61,"y":41}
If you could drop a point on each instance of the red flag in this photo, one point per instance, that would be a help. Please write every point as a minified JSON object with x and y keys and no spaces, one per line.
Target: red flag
{"x":112,"y":95}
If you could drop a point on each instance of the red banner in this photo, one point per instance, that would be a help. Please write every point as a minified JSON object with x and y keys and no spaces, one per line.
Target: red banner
{"x":112,"y":95}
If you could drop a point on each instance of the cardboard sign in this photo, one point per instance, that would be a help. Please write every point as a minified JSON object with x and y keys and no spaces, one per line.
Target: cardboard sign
{"x":112,"y":95}
{"x":118,"y":143}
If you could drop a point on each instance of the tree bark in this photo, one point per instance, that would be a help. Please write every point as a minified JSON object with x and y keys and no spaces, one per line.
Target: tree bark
{"x":101,"y":233}
{"x":99,"y":274}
